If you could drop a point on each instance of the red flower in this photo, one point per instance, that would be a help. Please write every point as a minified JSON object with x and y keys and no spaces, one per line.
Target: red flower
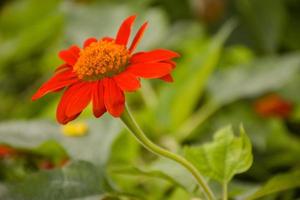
{"x":6,"y":151}
{"x":273,"y":105}
{"x":102,"y":71}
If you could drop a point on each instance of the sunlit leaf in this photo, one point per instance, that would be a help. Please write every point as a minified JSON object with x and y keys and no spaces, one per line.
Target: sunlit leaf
{"x":221,"y":159}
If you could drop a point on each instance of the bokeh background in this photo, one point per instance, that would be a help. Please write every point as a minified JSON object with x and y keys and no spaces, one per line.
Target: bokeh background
{"x":239,"y":64}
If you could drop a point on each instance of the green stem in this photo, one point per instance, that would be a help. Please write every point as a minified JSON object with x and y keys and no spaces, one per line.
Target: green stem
{"x":134,"y":128}
{"x":225,"y":192}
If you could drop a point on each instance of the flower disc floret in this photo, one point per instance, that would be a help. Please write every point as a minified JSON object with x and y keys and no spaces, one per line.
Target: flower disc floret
{"x":101,"y":59}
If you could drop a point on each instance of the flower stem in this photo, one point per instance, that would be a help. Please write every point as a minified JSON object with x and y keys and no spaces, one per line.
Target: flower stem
{"x":134,"y":128}
{"x":225,"y":192}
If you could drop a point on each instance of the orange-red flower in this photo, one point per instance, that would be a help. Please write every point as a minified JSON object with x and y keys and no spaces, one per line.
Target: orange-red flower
{"x":6,"y":151}
{"x":102,"y":71}
{"x":273,"y":105}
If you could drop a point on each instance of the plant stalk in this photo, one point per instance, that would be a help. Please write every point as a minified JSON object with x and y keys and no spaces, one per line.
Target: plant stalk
{"x":134,"y":128}
{"x":225,"y":191}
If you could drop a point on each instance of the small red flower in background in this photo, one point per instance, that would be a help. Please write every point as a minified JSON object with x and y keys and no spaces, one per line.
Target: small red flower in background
{"x":273,"y":106}
{"x":102,"y":71}
{"x":6,"y":151}
{"x":47,"y":164}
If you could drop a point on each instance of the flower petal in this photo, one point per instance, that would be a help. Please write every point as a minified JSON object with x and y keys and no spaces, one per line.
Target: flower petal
{"x":127,"y":81}
{"x":171,"y":62}
{"x":61,"y":116}
{"x":153,"y":56}
{"x":79,"y":98}
{"x":63,"y":67}
{"x":124,"y":31}
{"x":98,"y":99}
{"x":89,"y":41}
{"x":138,"y":37}
{"x":57,"y":82}
{"x":167,"y":78}
{"x":114,"y":98}
{"x":150,"y":70}
{"x":70,"y":55}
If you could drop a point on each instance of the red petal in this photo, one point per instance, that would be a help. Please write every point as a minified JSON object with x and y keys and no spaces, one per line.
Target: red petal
{"x":127,"y":81}
{"x":124,"y":31}
{"x":70,"y":56}
{"x":150,"y":70}
{"x":153,"y":56}
{"x":171,"y":62}
{"x":98,"y":99}
{"x":167,"y":78}
{"x":62,"y":68}
{"x":114,"y":99}
{"x":62,"y":106}
{"x":79,"y":98}
{"x":89,"y":41}
{"x":58,"y":81}
{"x":138,"y":37}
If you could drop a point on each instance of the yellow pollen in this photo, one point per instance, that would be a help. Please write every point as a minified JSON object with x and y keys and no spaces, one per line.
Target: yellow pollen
{"x":101,"y":59}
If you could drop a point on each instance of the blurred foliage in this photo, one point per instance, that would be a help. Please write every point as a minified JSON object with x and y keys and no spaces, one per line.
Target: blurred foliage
{"x":234,"y":53}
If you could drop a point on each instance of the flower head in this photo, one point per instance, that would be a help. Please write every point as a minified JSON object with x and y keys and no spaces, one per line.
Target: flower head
{"x":102,"y":70}
{"x":273,"y":105}
{"x":6,"y":151}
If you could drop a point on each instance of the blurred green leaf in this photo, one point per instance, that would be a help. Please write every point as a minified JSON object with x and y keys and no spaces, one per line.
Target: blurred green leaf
{"x":253,"y":79}
{"x":226,"y":156}
{"x":181,"y":99}
{"x":236,"y":55}
{"x":18,"y":15}
{"x":173,"y":170}
{"x":164,"y":169}
{"x":52,"y":150}
{"x":179,"y":194}
{"x":77,"y":180}
{"x":265,"y":20}
{"x":125,"y":149}
{"x":278,"y":183}
{"x":145,"y":172}
{"x":93,"y":147}
{"x":30,"y":40}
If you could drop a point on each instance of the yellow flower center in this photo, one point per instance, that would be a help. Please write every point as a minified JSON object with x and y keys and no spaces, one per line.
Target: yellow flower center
{"x":101,"y":59}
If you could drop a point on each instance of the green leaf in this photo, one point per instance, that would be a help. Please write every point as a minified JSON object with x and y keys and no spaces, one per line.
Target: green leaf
{"x":94,"y":146}
{"x":135,"y":171}
{"x":194,"y":80}
{"x":176,"y":172}
{"x":18,"y":15}
{"x":77,"y":180}
{"x":265,"y":20}
{"x":278,"y":183}
{"x":52,"y":150}
{"x":23,"y":45}
{"x":226,"y":156}
{"x":253,"y":79}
